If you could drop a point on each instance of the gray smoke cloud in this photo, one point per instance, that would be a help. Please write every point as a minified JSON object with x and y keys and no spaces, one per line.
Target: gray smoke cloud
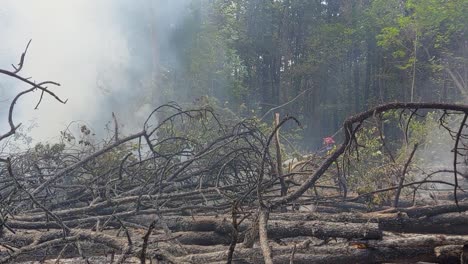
{"x":99,"y":51}
{"x":438,"y":154}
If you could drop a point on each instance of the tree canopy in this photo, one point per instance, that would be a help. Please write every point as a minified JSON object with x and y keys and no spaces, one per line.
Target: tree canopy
{"x":344,"y":56}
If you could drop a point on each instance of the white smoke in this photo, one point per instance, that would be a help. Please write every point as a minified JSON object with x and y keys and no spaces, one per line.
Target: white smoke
{"x":72,"y":42}
{"x":100,"y":53}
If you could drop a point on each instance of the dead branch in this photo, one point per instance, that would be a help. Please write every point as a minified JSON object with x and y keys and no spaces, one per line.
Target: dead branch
{"x":402,"y":176}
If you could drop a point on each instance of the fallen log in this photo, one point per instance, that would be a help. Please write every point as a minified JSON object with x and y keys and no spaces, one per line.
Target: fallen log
{"x":322,"y":230}
{"x":283,"y":229}
{"x":276,"y":230}
{"x":202,"y":238}
{"x":438,"y":249}
{"x":453,"y":223}
{"x":449,"y":254}
{"x":418,"y":241}
{"x":404,"y":255}
{"x":218,"y":232}
{"x":433,"y":210}
{"x":327,"y":254}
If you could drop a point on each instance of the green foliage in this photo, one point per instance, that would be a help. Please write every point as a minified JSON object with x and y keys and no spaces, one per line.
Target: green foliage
{"x":48,"y":151}
{"x":375,"y":166}
{"x":436,"y":26}
{"x":371,"y":168}
{"x":334,"y":42}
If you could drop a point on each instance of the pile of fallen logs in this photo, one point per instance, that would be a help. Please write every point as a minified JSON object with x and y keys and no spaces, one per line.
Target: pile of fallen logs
{"x":193,"y":187}
{"x":403,"y":235}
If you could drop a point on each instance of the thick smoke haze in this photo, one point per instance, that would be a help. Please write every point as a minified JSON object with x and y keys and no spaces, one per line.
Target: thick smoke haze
{"x":99,"y":51}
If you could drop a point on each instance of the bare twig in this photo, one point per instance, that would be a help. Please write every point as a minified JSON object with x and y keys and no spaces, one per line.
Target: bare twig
{"x":402,"y":176}
{"x":455,"y":156}
{"x":145,"y":242}
{"x":293,"y":252}
{"x":116,"y":128}
{"x":283,"y":105}
{"x":23,"y":56}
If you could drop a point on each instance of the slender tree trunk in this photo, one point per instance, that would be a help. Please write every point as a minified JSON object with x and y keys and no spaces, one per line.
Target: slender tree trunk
{"x":414,"y":67}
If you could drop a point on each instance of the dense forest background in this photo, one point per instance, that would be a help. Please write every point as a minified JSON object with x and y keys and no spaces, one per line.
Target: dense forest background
{"x":329,"y":59}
